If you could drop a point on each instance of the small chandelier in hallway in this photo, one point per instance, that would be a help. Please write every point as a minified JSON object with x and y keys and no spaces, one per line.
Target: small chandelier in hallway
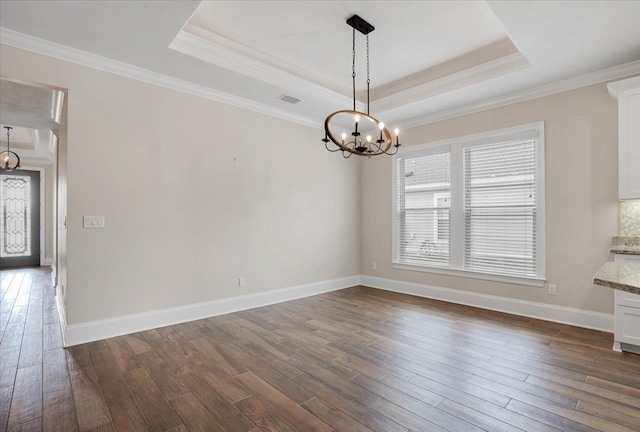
{"x":356,"y":143}
{"x":9,"y":160}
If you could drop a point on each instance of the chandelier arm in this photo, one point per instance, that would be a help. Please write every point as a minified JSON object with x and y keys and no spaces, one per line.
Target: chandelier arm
{"x":385,"y":151}
{"x":392,"y":154}
{"x":326,"y":145}
{"x":380,"y":150}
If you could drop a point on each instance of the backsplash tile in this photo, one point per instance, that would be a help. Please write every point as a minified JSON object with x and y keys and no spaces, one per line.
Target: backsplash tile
{"x":629,"y":223}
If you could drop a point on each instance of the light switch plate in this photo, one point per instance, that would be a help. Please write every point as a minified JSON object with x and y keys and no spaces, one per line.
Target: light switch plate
{"x":93,"y":222}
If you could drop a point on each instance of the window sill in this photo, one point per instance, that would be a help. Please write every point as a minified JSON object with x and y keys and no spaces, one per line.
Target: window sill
{"x":518,"y":280}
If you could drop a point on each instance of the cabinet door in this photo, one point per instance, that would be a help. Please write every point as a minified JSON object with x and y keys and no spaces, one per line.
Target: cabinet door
{"x":627,"y":325}
{"x":629,"y":142}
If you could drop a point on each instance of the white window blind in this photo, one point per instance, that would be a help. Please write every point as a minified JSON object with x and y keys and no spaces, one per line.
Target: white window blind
{"x":423,"y":229}
{"x":473,"y":206}
{"x":500,"y":208}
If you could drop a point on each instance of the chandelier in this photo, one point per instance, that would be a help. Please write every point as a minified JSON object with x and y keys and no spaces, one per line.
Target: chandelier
{"x":355,"y":142}
{"x":7,"y":156}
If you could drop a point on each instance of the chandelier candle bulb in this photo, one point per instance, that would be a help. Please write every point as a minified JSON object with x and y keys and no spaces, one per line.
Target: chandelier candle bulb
{"x":357,"y":119}
{"x":381,"y":140}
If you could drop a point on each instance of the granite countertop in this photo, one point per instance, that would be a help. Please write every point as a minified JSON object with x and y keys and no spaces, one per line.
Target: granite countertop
{"x":621,"y":276}
{"x":625,"y":245}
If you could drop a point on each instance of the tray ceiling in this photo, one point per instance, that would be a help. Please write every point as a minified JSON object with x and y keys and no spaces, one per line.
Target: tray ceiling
{"x":428,"y":58}
{"x":311,"y":39}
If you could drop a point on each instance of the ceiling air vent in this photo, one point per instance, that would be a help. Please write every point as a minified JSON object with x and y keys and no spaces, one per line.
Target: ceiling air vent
{"x":288,"y":99}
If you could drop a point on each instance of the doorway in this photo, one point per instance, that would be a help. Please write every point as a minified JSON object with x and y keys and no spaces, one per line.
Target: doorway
{"x":19,"y":218}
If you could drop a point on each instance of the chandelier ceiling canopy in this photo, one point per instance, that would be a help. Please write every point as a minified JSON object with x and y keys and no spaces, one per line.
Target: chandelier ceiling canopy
{"x":355,"y":142}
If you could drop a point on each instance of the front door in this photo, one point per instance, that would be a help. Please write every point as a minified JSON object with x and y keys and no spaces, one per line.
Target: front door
{"x":19,"y":218}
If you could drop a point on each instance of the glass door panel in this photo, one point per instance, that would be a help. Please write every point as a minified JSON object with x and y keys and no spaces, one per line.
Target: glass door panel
{"x":19,"y":218}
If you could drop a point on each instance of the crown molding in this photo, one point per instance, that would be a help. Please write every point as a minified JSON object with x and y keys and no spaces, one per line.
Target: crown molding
{"x":471,"y":76}
{"x":579,"y":81}
{"x":237,"y":59}
{"x":466,"y":77}
{"x":214,"y":49}
{"x":62,"y":52}
{"x":615,"y":88}
{"x":26,"y":160}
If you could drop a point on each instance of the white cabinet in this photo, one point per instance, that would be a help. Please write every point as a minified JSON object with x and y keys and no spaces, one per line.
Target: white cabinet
{"x":628,"y":94}
{"x":626,"y":320}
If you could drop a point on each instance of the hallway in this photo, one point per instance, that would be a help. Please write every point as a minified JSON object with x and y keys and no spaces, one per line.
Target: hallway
{"x":33,"y":375}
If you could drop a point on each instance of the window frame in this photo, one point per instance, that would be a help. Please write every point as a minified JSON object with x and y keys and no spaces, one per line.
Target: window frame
{"x":436,"y":225}
{"x":457,"y":241}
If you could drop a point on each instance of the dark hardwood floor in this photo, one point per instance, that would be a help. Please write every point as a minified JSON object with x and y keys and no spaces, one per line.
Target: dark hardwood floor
{"x":354,"y":360}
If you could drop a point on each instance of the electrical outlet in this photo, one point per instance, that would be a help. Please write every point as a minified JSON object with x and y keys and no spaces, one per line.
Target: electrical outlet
{"x":552,"y":289}
{"x":242,"y":281}
{"x":374,"y":266}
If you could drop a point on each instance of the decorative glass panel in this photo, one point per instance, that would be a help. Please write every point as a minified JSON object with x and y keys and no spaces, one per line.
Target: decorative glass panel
{"x":15,"y":221}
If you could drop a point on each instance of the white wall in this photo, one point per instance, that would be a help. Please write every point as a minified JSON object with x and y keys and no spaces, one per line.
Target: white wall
{"x":581,"y":207}
{"x":195,"y":194}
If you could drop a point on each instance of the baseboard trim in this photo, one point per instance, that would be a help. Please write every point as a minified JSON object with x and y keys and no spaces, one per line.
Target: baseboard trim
{"x":76,"y":334}
{"x":560,"y":314}
{"x":62,"y":314}
{"x":47,"y":262}
{"x":53,"y":274}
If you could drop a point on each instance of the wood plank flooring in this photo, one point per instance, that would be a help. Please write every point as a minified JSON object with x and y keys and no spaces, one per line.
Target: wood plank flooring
{"x":353,"y":360}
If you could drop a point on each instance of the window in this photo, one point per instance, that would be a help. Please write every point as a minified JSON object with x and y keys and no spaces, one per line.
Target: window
{"x":473,"y":206}
{"x":423,"y":182}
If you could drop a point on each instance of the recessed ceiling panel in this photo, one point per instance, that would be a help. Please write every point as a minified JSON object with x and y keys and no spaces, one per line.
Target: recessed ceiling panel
{"x":311,"y":39}
{"x":33,"y":112}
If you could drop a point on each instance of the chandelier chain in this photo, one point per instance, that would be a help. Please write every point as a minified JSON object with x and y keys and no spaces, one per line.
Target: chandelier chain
{"x":8,"y":128}
{"x":353,"y":68}
{"x":368,"y":80}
